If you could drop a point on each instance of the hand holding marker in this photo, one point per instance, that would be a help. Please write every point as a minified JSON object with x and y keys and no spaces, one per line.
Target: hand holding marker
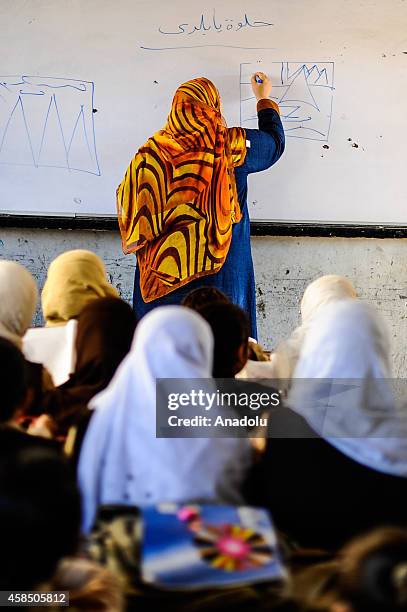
{"x":261,"y":85}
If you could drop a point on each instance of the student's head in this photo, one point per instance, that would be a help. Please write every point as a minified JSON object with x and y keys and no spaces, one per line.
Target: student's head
{"x":169,"y":342}
{"x":173,"y":342}
{"x":104,"y":335}
{"x":373,"y":573}
{"x":18,"y":298}
{"x":91,"y":586}
{"x":230,"y":328}
{"x":74,"y":279}
{"x":39,"y":517}
{"x":348,"y":341}
{"x":344,"y":339}
{"x":323,"y":290}
{"x":13,"y":381}
{"x":204,"y":296}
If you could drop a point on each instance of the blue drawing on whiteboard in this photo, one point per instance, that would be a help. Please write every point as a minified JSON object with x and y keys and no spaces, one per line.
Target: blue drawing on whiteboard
{"x":304,"y":92}
{"x":48,"y":122}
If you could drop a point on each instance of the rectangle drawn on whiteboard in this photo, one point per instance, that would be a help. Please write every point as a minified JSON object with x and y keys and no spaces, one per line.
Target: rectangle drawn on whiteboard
{"x":304,"y":92}
{"x":47,"y":122}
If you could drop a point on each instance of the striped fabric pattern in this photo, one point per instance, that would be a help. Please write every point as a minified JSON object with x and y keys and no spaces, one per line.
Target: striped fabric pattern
{"x":178,"y":201}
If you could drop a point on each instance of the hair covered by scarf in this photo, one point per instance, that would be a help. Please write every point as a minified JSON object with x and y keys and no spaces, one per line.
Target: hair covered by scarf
{"x":178,"y":199}
{"x":122,"y":460}
{"x":341,"y":386}
{"x":18,"y":299}
{"x":322,"y":291}
{"x":74,"y":279}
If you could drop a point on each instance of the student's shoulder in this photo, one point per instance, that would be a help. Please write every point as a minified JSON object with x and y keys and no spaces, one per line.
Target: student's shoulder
{"x":14,"y":440}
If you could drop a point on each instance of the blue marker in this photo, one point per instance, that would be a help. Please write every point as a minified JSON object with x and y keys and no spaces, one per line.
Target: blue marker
{"x":258,"y":79}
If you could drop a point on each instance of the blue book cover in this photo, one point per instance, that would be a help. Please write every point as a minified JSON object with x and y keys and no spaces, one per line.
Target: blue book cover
{"x":199,"y":546}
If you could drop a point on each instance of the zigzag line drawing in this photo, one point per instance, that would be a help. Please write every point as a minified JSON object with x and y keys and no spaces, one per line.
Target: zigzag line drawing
{"x":48,"y":122}
{"x":304,"y":92}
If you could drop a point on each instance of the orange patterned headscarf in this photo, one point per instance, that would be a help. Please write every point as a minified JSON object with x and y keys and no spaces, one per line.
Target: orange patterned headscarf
{"x":178,"y":199}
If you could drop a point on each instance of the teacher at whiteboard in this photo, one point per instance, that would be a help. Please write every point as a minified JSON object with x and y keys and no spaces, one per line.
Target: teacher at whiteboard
{"x":182,"y":205}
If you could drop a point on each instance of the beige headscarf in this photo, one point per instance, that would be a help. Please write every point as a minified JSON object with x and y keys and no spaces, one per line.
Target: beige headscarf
{"x":322,"y":291}
{"x":74,"y":279}
{"x":18,"y":299}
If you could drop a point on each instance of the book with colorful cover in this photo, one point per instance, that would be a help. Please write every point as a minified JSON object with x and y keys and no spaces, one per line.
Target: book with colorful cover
{"x":200,"y":546}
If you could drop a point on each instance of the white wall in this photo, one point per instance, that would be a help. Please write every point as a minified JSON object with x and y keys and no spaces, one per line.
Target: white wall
{"x":378,"y":268}
{"x":284,"y":266}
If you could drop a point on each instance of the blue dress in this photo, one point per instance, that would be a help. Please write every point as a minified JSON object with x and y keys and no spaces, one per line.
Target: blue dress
{"x":236,"y":277}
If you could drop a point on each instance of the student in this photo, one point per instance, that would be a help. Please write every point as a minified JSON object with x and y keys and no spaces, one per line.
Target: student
{"x":74,"y":279}
{"x":230,"y":328}
{"x":104,"y":335}
{"x":182,"y":204}
{"x":18,"y":299}
{"x":345,"y":470}
{"x":281,"y":364}
{"x":206,"y":296}
{"x":14,"y":395}
{"x":324,"y":290}
{"x":203,"y":296}
{"x":372,"y":573}
{"x":122,"y":461}
{"x":90,"y":586}
{"x":16,"y":399}
{"x":39,"y":517}
{"x":368,"y":575}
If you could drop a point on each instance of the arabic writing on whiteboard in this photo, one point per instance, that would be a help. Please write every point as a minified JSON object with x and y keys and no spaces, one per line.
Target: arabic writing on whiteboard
{"x":210,"y":23}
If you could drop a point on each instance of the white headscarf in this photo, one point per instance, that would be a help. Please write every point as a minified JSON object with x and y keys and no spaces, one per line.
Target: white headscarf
{"x":357,"y":414}
{"x":121,"y":460}
{"x":324,"y":290}
{"x":18,"y":298}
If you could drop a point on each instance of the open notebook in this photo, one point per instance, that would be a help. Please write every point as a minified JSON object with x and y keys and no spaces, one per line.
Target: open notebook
{"x":199,"y":546}
{"x":54,"y":347}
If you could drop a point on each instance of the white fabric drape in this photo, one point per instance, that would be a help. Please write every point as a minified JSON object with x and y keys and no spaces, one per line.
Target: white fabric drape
{"x":18,"y":299}
{"x":122,"y":461}
{"x":347,"y":342}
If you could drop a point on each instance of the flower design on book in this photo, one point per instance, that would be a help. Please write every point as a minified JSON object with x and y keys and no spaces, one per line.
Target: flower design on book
{"x":232,"y":548}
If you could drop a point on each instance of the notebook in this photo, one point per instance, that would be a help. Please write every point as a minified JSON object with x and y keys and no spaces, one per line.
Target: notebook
{"x":54,"y":347}
{"x":199,"y":546}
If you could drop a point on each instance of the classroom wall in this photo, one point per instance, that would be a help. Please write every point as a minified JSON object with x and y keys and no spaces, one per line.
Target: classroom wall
{"x":284,"y":266}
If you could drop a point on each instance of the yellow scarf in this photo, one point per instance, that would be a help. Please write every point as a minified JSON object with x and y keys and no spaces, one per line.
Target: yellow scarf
{"x":74,"y":279}
{"x":178,"y":199}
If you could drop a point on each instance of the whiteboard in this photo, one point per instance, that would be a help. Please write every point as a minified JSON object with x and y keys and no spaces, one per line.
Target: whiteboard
{"x":84,"y":83}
